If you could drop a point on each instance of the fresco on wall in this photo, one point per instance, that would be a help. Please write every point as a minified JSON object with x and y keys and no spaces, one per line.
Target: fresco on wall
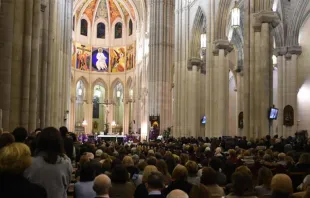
{"x":102,"y":11}
{"x":78,"y":11}
{"x":118,"y":59}
{"x":90,"y":10}
{"x":114,"y":12}
{"x":100,"y":59}
{"x":124,"y":10}
{"x":130,"y":56}
{"x":83,"y":55}
{"x":73,"y":55}
{"x":132,"y":11}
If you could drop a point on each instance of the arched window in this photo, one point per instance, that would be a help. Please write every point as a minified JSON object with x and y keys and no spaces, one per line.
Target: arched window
{"x":130,"y":27}
{"x":84,"y":26}
{"x":118,"y":30}
{"x":101,"y":30}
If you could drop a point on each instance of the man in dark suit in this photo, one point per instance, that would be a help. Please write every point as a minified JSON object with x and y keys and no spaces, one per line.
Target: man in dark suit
{"x":68,"y":142}
{"x":155,"y":184}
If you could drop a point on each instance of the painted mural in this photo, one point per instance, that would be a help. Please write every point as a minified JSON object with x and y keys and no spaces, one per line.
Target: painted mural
{"x":132,"y":11}
{"x":90,"y":10}
{"x":100,"y":59}
{"x":125,"y":12}
{"x":83,"y":56}
{"x":130,"y":56}
{"x":102,"y":11}
{"x":73,"y":55}
{"x":114,"y":12}
{"x":118,"y":59}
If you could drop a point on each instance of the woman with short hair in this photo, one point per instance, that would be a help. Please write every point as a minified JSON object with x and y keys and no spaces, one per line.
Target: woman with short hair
{"x":14,"y":159}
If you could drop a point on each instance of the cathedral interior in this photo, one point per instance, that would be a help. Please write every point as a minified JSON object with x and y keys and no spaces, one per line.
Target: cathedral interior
{"x":202,"y":68}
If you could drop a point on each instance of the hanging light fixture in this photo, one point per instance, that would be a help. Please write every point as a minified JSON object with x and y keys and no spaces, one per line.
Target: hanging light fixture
{"x":203,"y":41}
{"x":235,"y":16}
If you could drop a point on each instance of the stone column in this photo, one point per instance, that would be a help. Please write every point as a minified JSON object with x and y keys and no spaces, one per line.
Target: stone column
{"x":6,"y":46}
{"x":266,"y":20}
{"x":26,"y":64}
{"x":193,"y":119}
{"x":160,"y":60}
{"x":35,"y":52}
{"x":212,"y":120}
{"x":280,"y":53}
{"x":292,"y":86}
{"x":223,"y":87}
{"x":17,"y":64}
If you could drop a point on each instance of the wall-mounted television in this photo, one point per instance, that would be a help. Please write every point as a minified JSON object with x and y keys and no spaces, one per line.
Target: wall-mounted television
{"x":273,"y":113}
{"x":203,"y":120}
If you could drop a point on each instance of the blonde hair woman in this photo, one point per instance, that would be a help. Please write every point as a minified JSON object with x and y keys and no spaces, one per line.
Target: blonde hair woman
{"x":141,"y":190}
{"x":14,"y":160}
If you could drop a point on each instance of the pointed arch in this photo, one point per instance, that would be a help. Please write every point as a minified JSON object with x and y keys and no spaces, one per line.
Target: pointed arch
{"x":198,"y":28}
{"x":100,"y":81}
{"x":115,"y":82}
{"x":222,"y":18}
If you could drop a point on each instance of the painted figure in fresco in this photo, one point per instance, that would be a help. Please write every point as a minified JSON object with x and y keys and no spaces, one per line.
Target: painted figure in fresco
{"x":118,"y":61}
{"x":82,"y":60}
{"x":101,"y":62}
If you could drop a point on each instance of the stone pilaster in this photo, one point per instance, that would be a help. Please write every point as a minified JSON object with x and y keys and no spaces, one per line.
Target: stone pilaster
{"x":160,"y":60}
{"x":194,"y":65}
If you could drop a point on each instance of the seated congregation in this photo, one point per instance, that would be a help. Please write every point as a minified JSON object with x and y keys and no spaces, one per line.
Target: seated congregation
{"x":52,"y":163}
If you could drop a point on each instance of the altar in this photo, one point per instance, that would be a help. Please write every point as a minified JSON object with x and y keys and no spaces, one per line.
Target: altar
{"x":112,"y":137}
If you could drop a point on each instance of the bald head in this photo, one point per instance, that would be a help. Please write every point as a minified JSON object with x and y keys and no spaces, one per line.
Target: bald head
{"x":102,"y":184}
{"x":177,"y":194}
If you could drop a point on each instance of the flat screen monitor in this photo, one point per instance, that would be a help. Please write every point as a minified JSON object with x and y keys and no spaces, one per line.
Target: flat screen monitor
{"x":203,"y":120}
{"x":273,"y":115}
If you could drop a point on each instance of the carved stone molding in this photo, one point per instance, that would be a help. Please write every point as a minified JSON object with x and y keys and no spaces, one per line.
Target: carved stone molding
{"x":194,"y":62}
{"x":280,"y":51}
{"x":267,"y":16}
{"x":294,"y":50}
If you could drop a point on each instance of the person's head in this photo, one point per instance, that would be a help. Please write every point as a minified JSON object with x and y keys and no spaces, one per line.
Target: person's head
{"x":208,"y":176}
{"x":128,"y":161}
{"x":102,"y":185}
{"x":119,"y":174}
{"x":192,"y":168}
{"x":147,"y":171}
{"x":51,"y":143}
{"x":87,"y":172}
{"x":244,"y":169}
{"x":264,"y":177}
{"x":281,"y":156}
{"x":304,"y":158}
{"x":180,"y":173}
{"x":20,"y":134}
{"x":177,"y":194}
{"x":155,"y":181}
{"x":282,"y":183}
{"x":184,"y":158}
{"x":242,"y":183}
{"x":63,"y":131}
{"x":162,"y":167}
{"x":151,"y":161}
{"x":15,"y":158}
{"x":215,"y":163}
{"x":6,"y":139}
{"x":232,"y":153}
{"x":141,"y":165}
{"x":98,"y":153}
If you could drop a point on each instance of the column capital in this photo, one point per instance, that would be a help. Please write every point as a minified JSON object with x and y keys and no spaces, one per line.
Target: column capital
{"x":223,"y":44}
{"x":194,"y":62}
{"x":266,"y":16}
{"x":280,"y":51}
{"x":294,"y":50}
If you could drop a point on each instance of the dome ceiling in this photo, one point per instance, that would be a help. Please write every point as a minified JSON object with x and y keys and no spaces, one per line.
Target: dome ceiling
{"x":109,"y":10}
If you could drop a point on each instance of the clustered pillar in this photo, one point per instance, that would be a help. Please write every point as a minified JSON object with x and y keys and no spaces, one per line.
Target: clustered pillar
{"x":192,"y":115}
{"x":160,"y":61}
{"x":32,"y":78}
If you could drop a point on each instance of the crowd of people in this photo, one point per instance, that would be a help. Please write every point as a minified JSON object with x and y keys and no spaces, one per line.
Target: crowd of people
{"x":53,"y":163}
